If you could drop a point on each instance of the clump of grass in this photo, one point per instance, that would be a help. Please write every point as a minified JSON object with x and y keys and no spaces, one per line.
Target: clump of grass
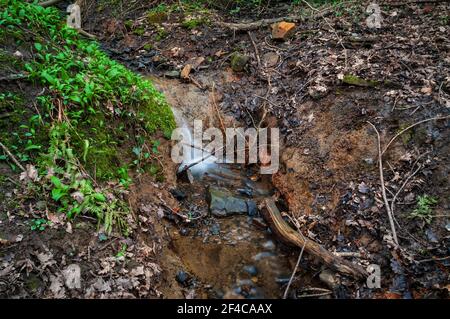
{"x":83,"y":121}
{"x":423,"y":210}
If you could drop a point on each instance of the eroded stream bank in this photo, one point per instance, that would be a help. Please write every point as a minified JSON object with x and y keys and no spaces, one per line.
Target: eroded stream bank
{"x":220,"y":246}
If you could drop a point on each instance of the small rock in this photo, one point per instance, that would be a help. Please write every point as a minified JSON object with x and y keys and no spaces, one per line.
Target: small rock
{"x":223,"y":203}
{"x":251,"y":270}
{"x":238,"y":62}
{"x":431,"y":236}
{"x":282,"y":30}
{"x":172,"y":74}
{"x":184,"y":231}
{"x":252,"y":209}
{"x":186,"y":71}
{"x":270,"y":59}
{"x":215,"y":229}
{"x":181,"y":277}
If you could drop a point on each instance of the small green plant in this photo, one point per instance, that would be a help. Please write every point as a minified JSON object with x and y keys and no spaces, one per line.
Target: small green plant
{"x":90,"y":106}
{"x":122,"y":251}
{"x":423,"y":210}
{"x":39,"y":224}
{"x":124,"y":178}
{"x":192,"y":23}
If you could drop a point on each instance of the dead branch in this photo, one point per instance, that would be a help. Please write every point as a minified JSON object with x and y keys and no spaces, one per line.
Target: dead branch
{"x":13,"y":77}
{"x":401,"y":188}
{"x":266,"y":22}
{"x":383,"y":187}
{"x":48,"y":3}
{"x":279,"y":226}
{"x":11,"y":156}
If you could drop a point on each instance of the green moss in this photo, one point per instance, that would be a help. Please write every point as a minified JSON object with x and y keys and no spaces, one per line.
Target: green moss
{"x":355,"y":80}
{"x":192,"y":23}
{"x":238,"y":61}
{"x":156,"y":17}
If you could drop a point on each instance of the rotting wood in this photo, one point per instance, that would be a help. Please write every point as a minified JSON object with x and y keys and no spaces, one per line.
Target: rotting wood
{"x":279,"y":226}
{"x":266,"y":22}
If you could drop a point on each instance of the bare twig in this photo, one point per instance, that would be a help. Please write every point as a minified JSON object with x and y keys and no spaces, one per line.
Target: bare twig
{"x":383,"y":188}
{"x":401,"y":188}
{"x":11,"y":156}
{"x":256,"y":49}
{"x":433,"y":259}
{"x":320,"y":292}
{"x":293,"y":273}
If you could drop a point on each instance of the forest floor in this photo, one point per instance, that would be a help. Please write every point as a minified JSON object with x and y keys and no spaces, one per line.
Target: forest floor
{"x":321,"y":85}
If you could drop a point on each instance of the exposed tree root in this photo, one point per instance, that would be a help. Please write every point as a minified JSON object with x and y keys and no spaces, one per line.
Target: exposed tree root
{"x":286,"y":233}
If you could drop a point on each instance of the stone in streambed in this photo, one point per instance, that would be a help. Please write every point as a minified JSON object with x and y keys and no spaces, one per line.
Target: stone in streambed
{"x":223,"y":203}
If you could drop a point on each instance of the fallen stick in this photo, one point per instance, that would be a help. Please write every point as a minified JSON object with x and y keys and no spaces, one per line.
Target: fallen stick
{"x":11,"y":156}
{"x":266,"y":22}
{"x":13,"y":77}
{"x":383,"y":187}
{"x":279,"y":226}
{"x":293,"y":272}
{"x":48,"y":3}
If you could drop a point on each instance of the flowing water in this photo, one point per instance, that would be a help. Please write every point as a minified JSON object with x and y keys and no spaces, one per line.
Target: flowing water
{"x":233,"y":256}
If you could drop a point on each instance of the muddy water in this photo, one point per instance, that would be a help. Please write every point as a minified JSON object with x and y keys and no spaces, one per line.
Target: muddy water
{"x":229,"y":257}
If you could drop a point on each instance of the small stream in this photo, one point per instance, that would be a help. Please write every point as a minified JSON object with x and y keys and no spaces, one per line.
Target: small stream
{"x":215,"y":255}
{"x":234,"y":256}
